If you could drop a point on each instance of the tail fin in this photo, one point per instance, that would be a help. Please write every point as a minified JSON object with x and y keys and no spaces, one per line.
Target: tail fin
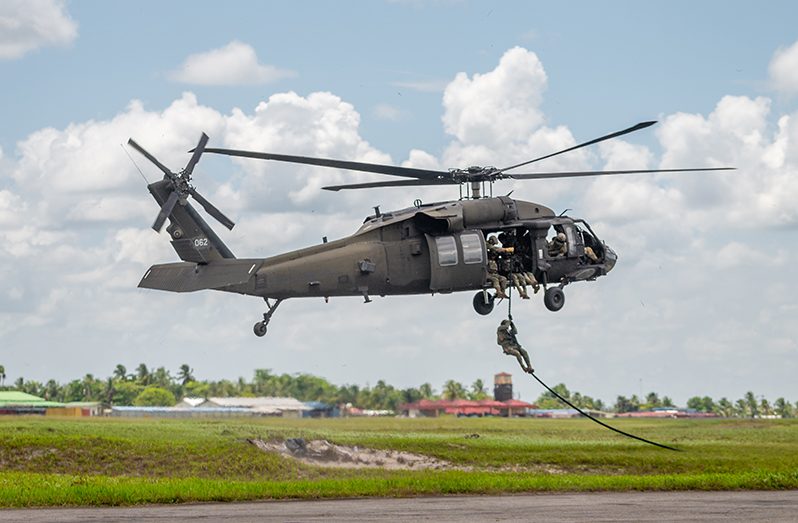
{"x":192,"y":238}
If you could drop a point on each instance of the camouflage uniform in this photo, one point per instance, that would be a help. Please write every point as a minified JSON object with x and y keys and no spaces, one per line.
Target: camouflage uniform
{"x":519,"y":282}
{"x":558,"y":245}
{"x":498,"y":281}
{"x":493,"y":245}
{"x":515,"y":279}
{"x":505,"y":336}
{"x":531,"y":280}
{"x":591,"y":254}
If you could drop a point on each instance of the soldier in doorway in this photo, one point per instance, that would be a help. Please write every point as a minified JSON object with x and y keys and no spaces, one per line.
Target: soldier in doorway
{"x":498,"y":281}
{"x":506,"y":338}
{"x":558,"y":246}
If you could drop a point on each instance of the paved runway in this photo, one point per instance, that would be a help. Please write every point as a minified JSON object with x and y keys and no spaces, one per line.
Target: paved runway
{"x":594,"y":507}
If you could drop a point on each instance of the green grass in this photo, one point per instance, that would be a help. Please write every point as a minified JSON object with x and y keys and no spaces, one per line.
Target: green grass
{"x":47,"y":461}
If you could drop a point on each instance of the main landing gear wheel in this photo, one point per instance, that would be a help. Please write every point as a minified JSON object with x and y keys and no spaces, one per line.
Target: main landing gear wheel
{"x":479,"y":303}
{"x":260,"y":329}
{"x":554,"y":299}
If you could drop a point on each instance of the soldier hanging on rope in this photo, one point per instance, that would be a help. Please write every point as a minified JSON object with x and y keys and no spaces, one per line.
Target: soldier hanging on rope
{"x":505,"y":336}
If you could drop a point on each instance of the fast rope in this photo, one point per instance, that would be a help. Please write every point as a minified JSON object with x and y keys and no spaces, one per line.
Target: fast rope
{"x":585,"y":414}
{"x":580,"y":411}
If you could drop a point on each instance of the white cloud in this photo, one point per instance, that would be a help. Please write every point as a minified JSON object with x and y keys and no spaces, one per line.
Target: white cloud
{"x":234,"y":64}
{"x":783,"y":69}
{"x":388,"y":112}
{"x":26,"y":25}
{"x":497,"y":106}
{"x":684,"y":289}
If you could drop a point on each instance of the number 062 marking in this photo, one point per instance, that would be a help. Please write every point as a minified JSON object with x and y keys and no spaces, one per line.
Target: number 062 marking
{"x":200,"y":242}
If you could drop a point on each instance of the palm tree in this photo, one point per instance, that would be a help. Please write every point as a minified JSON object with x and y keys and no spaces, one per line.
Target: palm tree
{"x":741,"y":408}
{"x":426,"y":391}
{"x":783,"y":408}
{"x":110,"y":390}
{"x":453,"y":390}
{"x":478,"y":390}
{"x":120,"y":372}
{"x":185,"y":374}
{"x":88,"y":386}
{"x":52,"y":391}
{"x":725,"y":408}
{"x":764,"y":407}
{"x":142,"y":374}
{"x":750,"y":401}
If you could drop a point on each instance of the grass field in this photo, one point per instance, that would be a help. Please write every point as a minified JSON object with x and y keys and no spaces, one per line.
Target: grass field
{"x":47,"y":461}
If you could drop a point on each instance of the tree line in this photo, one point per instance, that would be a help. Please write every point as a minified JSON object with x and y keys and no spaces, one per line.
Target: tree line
{"x":159,"y":387}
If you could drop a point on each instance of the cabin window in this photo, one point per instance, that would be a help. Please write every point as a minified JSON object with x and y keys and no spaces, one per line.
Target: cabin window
{"x":472,"y":248}
{"x":447,"y":250}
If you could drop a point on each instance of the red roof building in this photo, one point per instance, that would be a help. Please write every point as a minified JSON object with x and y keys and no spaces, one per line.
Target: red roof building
{"x":460,"y":407}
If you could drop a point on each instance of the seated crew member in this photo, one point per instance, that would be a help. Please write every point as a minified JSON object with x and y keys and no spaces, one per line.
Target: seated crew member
{"x":498,"y":281}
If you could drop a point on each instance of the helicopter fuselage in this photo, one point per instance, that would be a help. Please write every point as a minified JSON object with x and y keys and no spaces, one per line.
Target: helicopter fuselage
{"x":435,"y":248}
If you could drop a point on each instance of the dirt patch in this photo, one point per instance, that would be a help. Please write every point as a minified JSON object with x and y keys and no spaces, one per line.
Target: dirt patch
{"x":326,"y":454}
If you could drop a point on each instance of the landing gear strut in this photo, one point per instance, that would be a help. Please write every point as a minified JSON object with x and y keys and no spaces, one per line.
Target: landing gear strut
{"x":260,"y":328}
{"x":483,"y":302}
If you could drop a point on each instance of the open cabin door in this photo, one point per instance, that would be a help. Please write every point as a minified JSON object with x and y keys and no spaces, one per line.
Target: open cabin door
{"x":457,"y":261}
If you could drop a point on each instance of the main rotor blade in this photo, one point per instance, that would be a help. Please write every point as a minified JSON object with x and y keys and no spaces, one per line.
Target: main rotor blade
{"x":407,"y":172}
{"x":197,"y":153}
{"x":641,"y":125}
{"x":573,"y":174}
{"x":212,"y":210}
{"x":396,"y":183}
{"x":131,"y":142}
{"x":165,"y":211}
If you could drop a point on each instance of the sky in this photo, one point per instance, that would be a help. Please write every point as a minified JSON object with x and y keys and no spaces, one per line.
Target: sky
{"x":702,"y":301}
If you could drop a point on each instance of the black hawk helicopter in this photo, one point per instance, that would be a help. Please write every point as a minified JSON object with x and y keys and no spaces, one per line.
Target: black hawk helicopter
{"x":430,"y":247}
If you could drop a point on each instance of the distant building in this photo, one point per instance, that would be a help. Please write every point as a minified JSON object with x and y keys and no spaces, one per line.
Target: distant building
{"x":667,"y":412}
{"x":264,"y":406}
{"x":190,"y":403}
{"x":16,"y":402}
{"x":317,"y":409}
{"x":471,"y":408}
{"x":79,"y":408}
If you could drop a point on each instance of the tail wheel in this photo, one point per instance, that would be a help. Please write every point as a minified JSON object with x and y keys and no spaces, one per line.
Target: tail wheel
{"x":259,"y":329}
{"x":480,"y":306}
{"x":554,"y":299}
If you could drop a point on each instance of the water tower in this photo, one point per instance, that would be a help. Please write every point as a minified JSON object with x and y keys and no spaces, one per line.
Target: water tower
{"x":503,"y":386}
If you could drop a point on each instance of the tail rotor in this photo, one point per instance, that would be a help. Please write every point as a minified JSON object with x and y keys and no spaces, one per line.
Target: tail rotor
{"x":181,"y":186}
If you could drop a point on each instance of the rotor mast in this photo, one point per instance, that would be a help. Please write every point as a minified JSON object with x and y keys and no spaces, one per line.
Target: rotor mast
{"x":476,"y":192}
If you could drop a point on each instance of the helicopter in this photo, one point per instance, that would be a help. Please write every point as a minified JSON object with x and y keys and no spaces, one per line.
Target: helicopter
{"x":429,"y":248}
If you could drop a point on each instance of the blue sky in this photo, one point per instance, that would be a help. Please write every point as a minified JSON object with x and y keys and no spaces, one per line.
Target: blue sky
{"x":689,"y":310}
{"x":607,"y":62}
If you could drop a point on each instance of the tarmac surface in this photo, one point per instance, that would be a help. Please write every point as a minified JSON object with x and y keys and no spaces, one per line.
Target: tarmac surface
{"x":746,"y":506}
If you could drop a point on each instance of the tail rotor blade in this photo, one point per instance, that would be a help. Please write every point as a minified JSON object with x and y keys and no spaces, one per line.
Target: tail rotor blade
{"x":197,"y":153}
{"x":131,"y":142}
{"x":166,"y":210}
{"x":212,"y":210}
